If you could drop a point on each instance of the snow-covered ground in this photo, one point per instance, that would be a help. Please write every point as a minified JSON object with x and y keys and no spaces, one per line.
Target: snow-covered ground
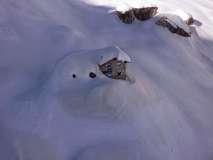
{"x":46,"y":114}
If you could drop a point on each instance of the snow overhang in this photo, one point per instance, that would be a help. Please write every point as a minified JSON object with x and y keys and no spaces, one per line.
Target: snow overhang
{"x":113,"y":52}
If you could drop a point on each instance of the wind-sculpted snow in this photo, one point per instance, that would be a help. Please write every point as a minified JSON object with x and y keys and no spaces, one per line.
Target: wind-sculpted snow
{"x":47,"y":113}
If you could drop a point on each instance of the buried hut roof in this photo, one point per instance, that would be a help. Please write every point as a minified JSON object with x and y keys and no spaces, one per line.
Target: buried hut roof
{"x":113,"y":52}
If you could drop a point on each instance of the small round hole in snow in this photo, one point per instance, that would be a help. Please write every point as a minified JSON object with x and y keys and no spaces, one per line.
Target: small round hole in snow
{"x":74,"y":76}
{"x":92,"y":75}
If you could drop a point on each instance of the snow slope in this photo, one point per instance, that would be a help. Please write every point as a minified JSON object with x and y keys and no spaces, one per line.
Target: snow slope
{"x":45,"y":114}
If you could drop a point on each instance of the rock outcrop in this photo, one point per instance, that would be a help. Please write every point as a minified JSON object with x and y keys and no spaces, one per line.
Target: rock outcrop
{"x":172,"y":27}
{"x":126,"y":17}
{"x":189,"y":21}
{"x":114,"y":69}
{"x":113,"y":64}
{"x":177,"y":22}
{"x":140,"y":14}
{"x":145,"y":13}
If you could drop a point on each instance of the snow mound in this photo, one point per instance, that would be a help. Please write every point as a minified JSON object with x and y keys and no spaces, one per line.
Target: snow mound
{"x":100,"y":94}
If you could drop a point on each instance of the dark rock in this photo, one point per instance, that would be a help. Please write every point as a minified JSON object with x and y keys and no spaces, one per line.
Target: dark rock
{"x":182,"y":32}
{"x":164,"y":22}
{"x":114,"y":69}
{"x":190,"y":21}
{"x":145,"y":13}
{"x":126,"y":17}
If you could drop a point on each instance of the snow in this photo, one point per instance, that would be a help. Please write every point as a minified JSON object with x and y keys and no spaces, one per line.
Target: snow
{"x":113,"y":52}
{"x":46,"y":114}
{"x":123,"y":8}
{"x":184,"y":15}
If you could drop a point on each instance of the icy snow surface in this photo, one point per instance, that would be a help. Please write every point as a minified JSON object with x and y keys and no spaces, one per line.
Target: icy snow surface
{"x":46,"y":114}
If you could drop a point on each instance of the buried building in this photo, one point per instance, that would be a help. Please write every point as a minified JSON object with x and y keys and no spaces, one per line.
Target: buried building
{"x":114,"y":64}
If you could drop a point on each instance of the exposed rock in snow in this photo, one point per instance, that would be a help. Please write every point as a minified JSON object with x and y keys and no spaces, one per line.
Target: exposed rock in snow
{"x":126,"y":17}
{"x":114,"y":62}
{"x":177,"y":22}
{"x":114,"y":69}
{"x":141,"y":14}
{"x":173,"y":26}
{"x":145,"y":13}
